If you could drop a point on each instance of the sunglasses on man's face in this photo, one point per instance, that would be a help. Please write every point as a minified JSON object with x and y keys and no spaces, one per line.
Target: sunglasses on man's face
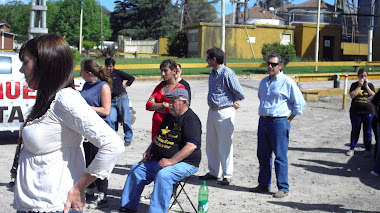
{"x":272,"y":64}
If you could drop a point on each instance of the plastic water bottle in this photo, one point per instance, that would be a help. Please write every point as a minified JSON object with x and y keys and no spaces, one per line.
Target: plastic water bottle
{"x":203,"y":198}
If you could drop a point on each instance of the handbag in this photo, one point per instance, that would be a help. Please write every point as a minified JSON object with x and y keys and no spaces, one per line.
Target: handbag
{"x":16,"y":157}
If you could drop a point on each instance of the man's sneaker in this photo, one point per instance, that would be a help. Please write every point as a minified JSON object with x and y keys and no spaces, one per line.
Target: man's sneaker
{"x":374,"y":173}
{"x":367,"y":154}
{"x":259,"y":189}
{"x":98,"y":204}
{"x":350,"y":153}
{"x":127,"y":143}
{"x":90,"y":197}
{"x":280,"y":194}
{"x":225,"y":181}
{"x":208,"y":176}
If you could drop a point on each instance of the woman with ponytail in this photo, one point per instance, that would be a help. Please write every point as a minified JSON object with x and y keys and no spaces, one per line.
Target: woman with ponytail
{"x":97,"y":93}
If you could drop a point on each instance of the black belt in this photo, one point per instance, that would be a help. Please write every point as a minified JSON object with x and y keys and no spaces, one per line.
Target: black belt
{"x":270,"y":117}
{"x":219,"y":108}
{"x":118,"y":96}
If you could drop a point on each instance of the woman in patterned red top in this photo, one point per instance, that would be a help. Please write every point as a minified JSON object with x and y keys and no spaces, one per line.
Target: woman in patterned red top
{"x":157,"y":101}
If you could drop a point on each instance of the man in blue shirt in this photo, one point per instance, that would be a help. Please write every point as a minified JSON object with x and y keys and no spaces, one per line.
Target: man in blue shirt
{"x":280,"y":101}
{"x":223,"y":96}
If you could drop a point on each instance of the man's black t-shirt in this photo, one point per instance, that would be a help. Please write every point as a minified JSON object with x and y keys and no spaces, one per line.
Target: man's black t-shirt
{"x":359,"y":104}
{"x":118,"y":77}
{"x":173,"y":135}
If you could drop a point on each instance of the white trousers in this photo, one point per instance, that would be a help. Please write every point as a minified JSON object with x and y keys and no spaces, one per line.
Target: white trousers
{"x":219,"y":147}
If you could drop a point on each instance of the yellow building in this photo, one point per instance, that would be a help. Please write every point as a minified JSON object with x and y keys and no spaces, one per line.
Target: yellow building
{"x":329,"y":41}
{"x":241,"y":41}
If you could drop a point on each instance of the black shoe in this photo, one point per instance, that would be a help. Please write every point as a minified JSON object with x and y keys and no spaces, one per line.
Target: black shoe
{"x":90,"y":197}
{"x":208,"y":177}
{"x":124,"y":209}
{"x":127,"y":143}
{"x":225,"y":181}
{"x":259,"y":189}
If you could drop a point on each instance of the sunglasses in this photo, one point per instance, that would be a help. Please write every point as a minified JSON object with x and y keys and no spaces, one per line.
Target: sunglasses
{"x":272,"y":64}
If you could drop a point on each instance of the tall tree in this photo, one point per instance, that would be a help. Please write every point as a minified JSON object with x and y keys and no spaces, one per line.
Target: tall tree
{"x":16,"y":13}
{"x":143,"y":19}
{"x":62,"y":18}
{"x":66,"y":22}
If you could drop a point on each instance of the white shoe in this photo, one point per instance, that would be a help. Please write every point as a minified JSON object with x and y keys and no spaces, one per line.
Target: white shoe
{"x":374,"y":173}
{"x":350,"y":153}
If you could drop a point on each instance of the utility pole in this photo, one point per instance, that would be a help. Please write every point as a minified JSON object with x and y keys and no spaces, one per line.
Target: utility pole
{"x":101,"y":26}
{"x":238,"y":6}
{"x":245,"y":11}
{"x":370,"y":32}
{"x":223,"y":25}
{"x":80,"y":27}
{"x":317,"y":36}
{"x":238,"y":3}
{"x":182,"y":13}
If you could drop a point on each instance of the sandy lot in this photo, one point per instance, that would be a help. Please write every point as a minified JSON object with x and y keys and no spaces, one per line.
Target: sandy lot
{"x":321,"y":177}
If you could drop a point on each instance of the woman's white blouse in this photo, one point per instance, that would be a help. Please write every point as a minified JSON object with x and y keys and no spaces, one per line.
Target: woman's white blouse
{"x":52,"y":158}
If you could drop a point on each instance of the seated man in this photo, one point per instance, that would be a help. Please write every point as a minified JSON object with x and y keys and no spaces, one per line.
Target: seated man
{"x":173,"y":155}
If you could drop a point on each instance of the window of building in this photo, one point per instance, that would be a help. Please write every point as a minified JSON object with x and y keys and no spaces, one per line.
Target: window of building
{"x":286,"y":38}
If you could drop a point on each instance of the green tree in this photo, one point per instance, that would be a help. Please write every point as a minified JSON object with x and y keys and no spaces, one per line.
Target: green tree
{"x":287,"y":52}
{"x":143,"y":19}
{"x":16,"y":13}
{"x":177,"y":44}
{"x":66,"y":21}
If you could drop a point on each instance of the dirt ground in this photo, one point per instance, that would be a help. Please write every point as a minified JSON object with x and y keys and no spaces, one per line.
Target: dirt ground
{"x":321,"y":177}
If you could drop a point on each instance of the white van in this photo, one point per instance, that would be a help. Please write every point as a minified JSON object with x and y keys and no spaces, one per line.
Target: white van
{"x":16,"y":98}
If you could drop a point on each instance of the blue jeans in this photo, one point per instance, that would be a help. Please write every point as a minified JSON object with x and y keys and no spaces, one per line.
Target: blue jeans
{"x":377,"y":161}
{"x":356,"y":121}
{"x":142,"y":174}
{"x":273,"y":136}
{"x":120,"y":106}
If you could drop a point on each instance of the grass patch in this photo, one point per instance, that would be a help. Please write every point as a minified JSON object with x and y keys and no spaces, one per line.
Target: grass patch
{"x":238,"y":70}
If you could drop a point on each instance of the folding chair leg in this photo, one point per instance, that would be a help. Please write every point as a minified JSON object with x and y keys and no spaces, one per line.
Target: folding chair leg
{"x":182,"y":184}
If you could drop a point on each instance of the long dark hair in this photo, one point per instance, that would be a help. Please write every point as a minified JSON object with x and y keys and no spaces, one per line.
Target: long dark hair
{"x":54,"y":69}
{"x":90,"y":65}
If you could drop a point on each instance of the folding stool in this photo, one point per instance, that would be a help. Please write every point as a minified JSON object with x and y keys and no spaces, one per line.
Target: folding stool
{"x":181,"y":184}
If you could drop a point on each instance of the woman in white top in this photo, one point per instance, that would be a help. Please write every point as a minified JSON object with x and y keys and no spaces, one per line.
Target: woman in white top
{"x":51,"y":175}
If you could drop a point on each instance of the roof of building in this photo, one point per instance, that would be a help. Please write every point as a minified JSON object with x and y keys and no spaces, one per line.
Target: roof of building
{"x":285,"y":8}
{"x":256,"y":12}
{"x":6,"y":24}
{"x":259,"y":12}
{"x":312,"y":4}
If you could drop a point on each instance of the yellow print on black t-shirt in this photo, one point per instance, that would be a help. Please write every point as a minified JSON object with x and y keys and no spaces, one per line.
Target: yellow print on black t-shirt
{"x":362,"y":97}
{"x":166,"y":138}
